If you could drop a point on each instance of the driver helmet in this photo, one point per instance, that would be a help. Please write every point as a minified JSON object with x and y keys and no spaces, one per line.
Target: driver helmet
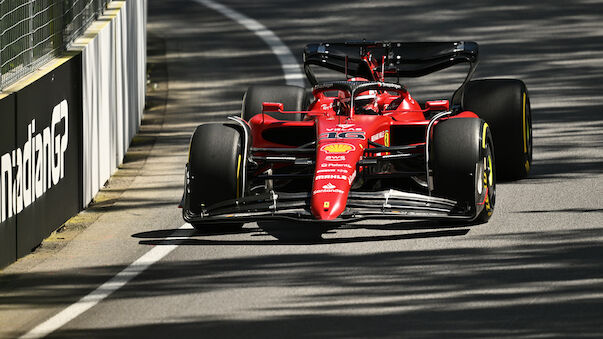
{"x":366,"y":102}
{"x":357,"y":79}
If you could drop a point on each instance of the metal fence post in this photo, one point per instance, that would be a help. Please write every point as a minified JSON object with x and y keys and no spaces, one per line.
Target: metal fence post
{"x":28,"y":57}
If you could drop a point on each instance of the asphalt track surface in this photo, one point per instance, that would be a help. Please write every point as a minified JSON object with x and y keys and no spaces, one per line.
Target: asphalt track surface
{"x":535,"y":270}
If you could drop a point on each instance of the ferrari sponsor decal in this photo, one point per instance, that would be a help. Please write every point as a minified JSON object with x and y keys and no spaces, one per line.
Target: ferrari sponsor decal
{"x":378,"y":136}
{"x":339,"y":129}
{"x":333,"y":170}
{"x":343,"y":135}
{"x":338,"y":148}
{"x":326,"y":107}
{"x":328,"y":191}
{"x":329,"y":186}
{"x":335,"y":158}
{"x":345,"y":126}
{"x":331,"y":177}
{"x":336,"y":165}
{"x":381,"y":135}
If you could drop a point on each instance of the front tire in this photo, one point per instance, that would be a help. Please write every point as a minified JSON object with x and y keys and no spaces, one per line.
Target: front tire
{"x":214,"y":169}
{"x":463,"y":165}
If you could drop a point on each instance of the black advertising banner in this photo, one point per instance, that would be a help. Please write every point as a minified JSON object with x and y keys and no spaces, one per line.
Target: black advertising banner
{"x":48,"y":154}
{"x":8,"y":230}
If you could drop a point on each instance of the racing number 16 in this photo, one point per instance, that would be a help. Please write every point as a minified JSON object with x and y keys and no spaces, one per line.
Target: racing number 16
{"x":342,"y":135}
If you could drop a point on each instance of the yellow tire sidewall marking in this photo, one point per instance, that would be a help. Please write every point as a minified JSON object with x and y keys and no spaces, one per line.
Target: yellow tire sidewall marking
{"x":239,"y":176}
{"x":484,"y":129}
{"x":525,"y":138}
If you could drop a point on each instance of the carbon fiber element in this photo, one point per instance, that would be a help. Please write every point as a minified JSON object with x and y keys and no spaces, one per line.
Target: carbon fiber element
{"x":390,"y":204}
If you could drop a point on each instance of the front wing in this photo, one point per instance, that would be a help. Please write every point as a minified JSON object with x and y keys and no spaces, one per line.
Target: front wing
{"x":388,"y":204}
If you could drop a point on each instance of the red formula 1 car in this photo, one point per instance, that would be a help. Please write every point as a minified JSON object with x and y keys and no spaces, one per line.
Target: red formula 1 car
{"x":361,"y":148}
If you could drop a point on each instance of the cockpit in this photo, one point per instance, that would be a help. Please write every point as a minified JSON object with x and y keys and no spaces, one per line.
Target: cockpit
{"x":358,"y":97}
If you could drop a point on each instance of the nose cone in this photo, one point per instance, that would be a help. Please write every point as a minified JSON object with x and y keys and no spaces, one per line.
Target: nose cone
{"x":329,"y":205}
{"x":341,"y":143}
{"x":332,"y":181}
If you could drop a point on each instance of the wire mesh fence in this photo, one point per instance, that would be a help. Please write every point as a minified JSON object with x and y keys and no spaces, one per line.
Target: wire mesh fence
{"x":34,"y":31}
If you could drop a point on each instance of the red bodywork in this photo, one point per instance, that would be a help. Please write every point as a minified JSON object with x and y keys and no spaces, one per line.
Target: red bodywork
{"x":361,"y":150}
{"x":343,"y":138}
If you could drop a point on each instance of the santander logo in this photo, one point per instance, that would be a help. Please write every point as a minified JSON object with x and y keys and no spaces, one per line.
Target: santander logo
{"x":329,"y":186}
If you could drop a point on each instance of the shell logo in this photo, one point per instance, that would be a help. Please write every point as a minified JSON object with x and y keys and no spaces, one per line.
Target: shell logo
{"x":338,"y":148}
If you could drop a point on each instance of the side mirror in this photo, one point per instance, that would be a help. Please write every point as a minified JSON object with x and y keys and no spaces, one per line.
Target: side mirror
{"x":272,"y":107}
{"x":437,"y":105}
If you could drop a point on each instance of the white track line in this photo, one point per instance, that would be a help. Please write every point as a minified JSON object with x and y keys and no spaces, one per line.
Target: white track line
{"x":293,"y":76}
{"x":293,"y":73}
{"x":106,"y":289}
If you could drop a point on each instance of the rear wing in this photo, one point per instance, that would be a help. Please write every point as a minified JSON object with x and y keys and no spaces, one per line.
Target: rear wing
{"x":397,"y":59}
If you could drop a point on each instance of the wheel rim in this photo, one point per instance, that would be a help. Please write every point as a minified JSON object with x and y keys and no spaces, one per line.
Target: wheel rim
{"x":489,"y":180}
{"x":486,"y":174}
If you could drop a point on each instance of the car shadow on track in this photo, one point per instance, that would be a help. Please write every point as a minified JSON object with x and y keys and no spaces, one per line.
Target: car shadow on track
{"x":171,"y":233}
{"x":197,"y":238}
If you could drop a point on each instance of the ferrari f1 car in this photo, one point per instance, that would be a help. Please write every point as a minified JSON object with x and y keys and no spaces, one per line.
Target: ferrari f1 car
{"x":362,"y":148}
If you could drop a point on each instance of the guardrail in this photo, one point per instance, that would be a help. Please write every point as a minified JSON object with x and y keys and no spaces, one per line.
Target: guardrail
{"x":34,"y":31}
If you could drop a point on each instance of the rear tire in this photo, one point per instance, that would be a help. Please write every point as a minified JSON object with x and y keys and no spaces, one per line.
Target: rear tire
{"x":293,"y":98}
{"x":505,"y":105}
{"x":463,"y":165}
{"x":214,"y":169}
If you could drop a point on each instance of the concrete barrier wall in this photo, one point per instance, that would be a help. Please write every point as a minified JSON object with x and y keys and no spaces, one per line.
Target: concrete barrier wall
{"x":41,"y":158}
{"x":8,"y":139}
{"x":114,"y":71}
{"x":65,"y":128}
{"x":49,"y":136}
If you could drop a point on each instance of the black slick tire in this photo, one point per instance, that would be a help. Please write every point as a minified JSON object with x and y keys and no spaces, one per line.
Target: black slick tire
{"x":214,"y":169}
{"x":293,"y":98}
{"x":462,"y":160}
{"x":505,"y":105}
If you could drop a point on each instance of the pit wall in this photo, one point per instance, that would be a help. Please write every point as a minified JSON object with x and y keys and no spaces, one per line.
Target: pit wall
{"x":65,"y":128}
